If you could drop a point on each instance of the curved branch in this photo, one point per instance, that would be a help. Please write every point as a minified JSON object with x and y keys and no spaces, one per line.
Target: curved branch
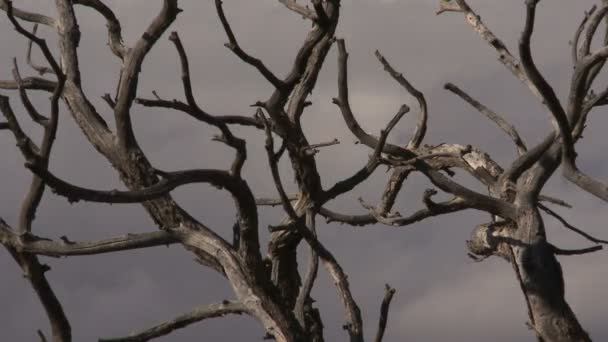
{"x":353,"y":313}
{"x":29,"y":83}
{"x":578,"y":32}
{"x":169,"y":182}
{"x":305,"y":12}
{"x":40,"y":246}
{"x":234,"y":46}
{"x":386,"y":302}
{"x":481,"y":202}
{"x":29,"y":16}
{"x":560,"y":251}
{"x":182,"y":321}
{"x":114,"y":29}
{"x":348,"y":184}
{"x":432,"y":209}
{"x":28,"y":57}
{"x":503,"y":124}
{"x":420,"y":130}
{"x":127,"y":87}
{"x":504,"y":55}
{"x":550,"y":100}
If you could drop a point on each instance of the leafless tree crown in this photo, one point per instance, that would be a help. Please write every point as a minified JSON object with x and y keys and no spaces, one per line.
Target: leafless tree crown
{"x":269,"y":287}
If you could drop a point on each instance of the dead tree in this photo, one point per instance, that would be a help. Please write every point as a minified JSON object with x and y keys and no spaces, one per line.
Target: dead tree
{"x":269,"y":288}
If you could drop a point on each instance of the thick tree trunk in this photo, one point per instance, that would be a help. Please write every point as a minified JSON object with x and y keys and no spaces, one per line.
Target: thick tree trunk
{"x":538,"y":272}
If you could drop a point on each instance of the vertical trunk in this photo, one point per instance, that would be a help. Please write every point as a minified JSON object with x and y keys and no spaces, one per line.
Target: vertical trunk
{"x":542,"y":283}
{"x":537,"y":270}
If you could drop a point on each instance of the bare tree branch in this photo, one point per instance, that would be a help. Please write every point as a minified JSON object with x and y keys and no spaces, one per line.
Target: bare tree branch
{"x":227,"y":136}
{"x":41,"y":335}
{"x":348,"y":184}
{"x":420,"y":130}
{"x":114,"y":29}
{"x":504,"y":55}
{"x":571,"y":227}
{"x":128,"y":84}
{"x":234,"y":46}
{"x":305,"y":12}
{"x":29,"y":83}
{"x":182,"y":321}
{"x":41,"y":246}
{"x":25,"y":100}
{"x":311,"y":274}
{"x":386,"y":302}
{"x":496,"y":118}
{"x":39,"y":68}
{"x":353,"y":314}
{"x":28,"y":16}
{"x":436,"y":209}
{"x":170,"y":181}
{"x":34,"y":272}
{"x":578,"y":32}
{"x":479,"y":201}
{"x":559,"y":251}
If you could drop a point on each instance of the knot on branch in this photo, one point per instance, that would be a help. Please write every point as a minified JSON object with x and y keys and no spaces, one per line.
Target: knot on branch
{"x":492,"y":238}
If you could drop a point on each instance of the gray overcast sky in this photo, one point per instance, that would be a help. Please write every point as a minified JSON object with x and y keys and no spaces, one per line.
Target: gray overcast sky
{"x":441,"y":294}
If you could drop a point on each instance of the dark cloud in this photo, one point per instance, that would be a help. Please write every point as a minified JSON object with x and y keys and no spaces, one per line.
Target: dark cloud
{"x":442,"y":295}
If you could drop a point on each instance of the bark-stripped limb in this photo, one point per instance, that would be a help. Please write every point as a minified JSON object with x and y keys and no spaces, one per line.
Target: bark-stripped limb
{"x":354,"y":323}
{"x":192,"y":108}
{"x":577,"y":34}
{"x":28,"y":16}
{"x":504,"y":55}
{"x":586,"y":69}
{"x":29,"y":83}
{"x":169,"y":181}
{"x":127,"y":87}
{"x":594,"y":22}
{"x":304,"y":11}
{"x":549,"y":97}
{"x":32,"y":200}
{"x":246,"y":229}
{"x":420,"y":130}
{"x":198,"y":314}
{"x":84,"y":113}
{"x":234,"y":46}
{"x":479,"y":201}
{"x":184,"y":107}
{"x":442,"y":156}
{"x":238,"y":188}
{"x":583,"y":181}
{"x":227,"y":137}
{"x":432,"y":209}
{"x":303,"y":300}
{"x":29,"y":263}
{"x":32,"y":37}
{"x":28,"y":148}
{"x":25,"y":100}
{"x":503,"y":124}
{"x":581,"y":251}
{"x":34,"y":272}
{"x":28,"y":57}
{"x":114,"y":28}
{"x":389,"y":292}
{"x":348,"y":184}
{"x":571,"y":227}
{"x":595,"y":70}
{"x":41,"y":246}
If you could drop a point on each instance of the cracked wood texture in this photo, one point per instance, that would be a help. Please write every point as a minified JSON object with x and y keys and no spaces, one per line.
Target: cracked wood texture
{"x":266,"y":280}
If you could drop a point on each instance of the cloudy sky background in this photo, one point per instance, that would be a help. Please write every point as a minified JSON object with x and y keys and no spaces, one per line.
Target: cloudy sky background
{"x":441,"y":293}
